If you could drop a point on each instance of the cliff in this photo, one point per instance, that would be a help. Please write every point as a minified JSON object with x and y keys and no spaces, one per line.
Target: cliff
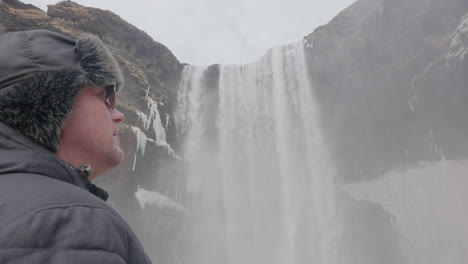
{"x":387,"y":97}
{"x":390,"y":77}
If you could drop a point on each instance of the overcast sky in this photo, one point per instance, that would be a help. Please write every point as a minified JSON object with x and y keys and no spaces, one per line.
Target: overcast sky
{"x":204,"y":32}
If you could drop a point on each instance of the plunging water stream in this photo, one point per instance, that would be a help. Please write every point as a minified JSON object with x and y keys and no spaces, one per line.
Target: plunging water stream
{"x":259,"y":170}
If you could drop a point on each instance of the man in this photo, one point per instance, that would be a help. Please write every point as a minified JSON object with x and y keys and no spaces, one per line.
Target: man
{"x":58,"y":129}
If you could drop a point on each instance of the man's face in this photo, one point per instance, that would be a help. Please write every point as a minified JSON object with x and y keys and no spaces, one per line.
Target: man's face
{"x":90,"y":135}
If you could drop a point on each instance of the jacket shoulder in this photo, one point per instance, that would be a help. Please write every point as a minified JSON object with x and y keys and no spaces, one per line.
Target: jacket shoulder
{"x":21,"y":193}
{"x":64,"y":233}
{"x":51,"y":219}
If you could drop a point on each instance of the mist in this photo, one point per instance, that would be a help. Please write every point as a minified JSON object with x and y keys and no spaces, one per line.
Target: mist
{"x":349,"y":146}
{"x":341,"y":142}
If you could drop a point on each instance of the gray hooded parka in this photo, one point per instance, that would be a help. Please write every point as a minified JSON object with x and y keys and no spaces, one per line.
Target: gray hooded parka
{"x":48,"y":215}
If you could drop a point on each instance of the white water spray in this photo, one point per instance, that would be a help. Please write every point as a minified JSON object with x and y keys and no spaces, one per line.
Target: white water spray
{"x":262,"y":188}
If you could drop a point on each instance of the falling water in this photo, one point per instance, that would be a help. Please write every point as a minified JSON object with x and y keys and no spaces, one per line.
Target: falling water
{"x":260,"y":176}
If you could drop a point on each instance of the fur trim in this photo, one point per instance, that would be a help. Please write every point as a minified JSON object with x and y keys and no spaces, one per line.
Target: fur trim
{"x":98,"y":62}
{"x":38,"y":105}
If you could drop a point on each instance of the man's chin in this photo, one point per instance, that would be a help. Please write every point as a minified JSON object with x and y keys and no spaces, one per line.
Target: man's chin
{"x":119,"y":156}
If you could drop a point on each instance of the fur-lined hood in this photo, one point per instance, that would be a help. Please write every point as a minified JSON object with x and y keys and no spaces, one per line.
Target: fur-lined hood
{"x":41,"y":74}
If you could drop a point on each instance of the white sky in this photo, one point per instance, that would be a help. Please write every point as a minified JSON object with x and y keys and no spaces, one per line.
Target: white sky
{"x":204,"y":32}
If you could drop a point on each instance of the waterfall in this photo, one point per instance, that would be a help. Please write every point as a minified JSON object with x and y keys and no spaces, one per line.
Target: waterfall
{"x":259,"y":174}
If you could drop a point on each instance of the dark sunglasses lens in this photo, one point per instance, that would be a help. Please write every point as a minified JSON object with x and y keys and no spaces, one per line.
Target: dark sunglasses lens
{"x":110,"y":96}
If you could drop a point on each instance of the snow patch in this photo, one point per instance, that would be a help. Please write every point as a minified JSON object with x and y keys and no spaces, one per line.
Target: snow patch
{"x":428,"y":205}
{"x":152,"y":198}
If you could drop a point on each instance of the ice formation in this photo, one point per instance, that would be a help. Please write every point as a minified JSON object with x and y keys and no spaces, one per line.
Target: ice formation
{"x":155,"y":118}
{"x":459,"y":44}
{"x":152,"y":198}
{"x":153,"y":121}
{"x":144,"y":119}
{"x":141,"y":139}
{"x":134,"y":162}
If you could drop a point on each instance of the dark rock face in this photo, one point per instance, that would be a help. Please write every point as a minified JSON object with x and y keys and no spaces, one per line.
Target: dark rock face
{"x":391,"y":80}
{"x":367,"y":64}
{"x":371,"y":238}
{"x":440,"y":95}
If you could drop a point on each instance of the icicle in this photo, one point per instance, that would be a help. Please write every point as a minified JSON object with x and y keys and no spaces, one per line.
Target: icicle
{"x":141,"y":139}
{"x":134,"y":163}
{"x":144,"y":119}
{"x":167,"y":121}
{"x":155,"y":118}
{"x":159,"y":131}
{"x":153,"y":107}
{"x":147,"y":92}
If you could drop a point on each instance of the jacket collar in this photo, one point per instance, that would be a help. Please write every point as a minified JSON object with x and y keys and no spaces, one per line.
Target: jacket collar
{"x":20,"y":154}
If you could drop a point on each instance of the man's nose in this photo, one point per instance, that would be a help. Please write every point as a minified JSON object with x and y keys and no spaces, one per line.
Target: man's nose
{"x":117,"y":116}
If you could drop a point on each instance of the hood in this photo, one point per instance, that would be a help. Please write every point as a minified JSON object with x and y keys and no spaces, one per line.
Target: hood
{"x":42,"y":73}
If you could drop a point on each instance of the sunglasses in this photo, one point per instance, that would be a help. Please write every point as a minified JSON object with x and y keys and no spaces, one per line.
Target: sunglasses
{"x":110,"y":96}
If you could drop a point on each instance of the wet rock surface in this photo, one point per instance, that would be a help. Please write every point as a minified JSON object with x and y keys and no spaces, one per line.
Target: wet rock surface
{"x":371,"y":66}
